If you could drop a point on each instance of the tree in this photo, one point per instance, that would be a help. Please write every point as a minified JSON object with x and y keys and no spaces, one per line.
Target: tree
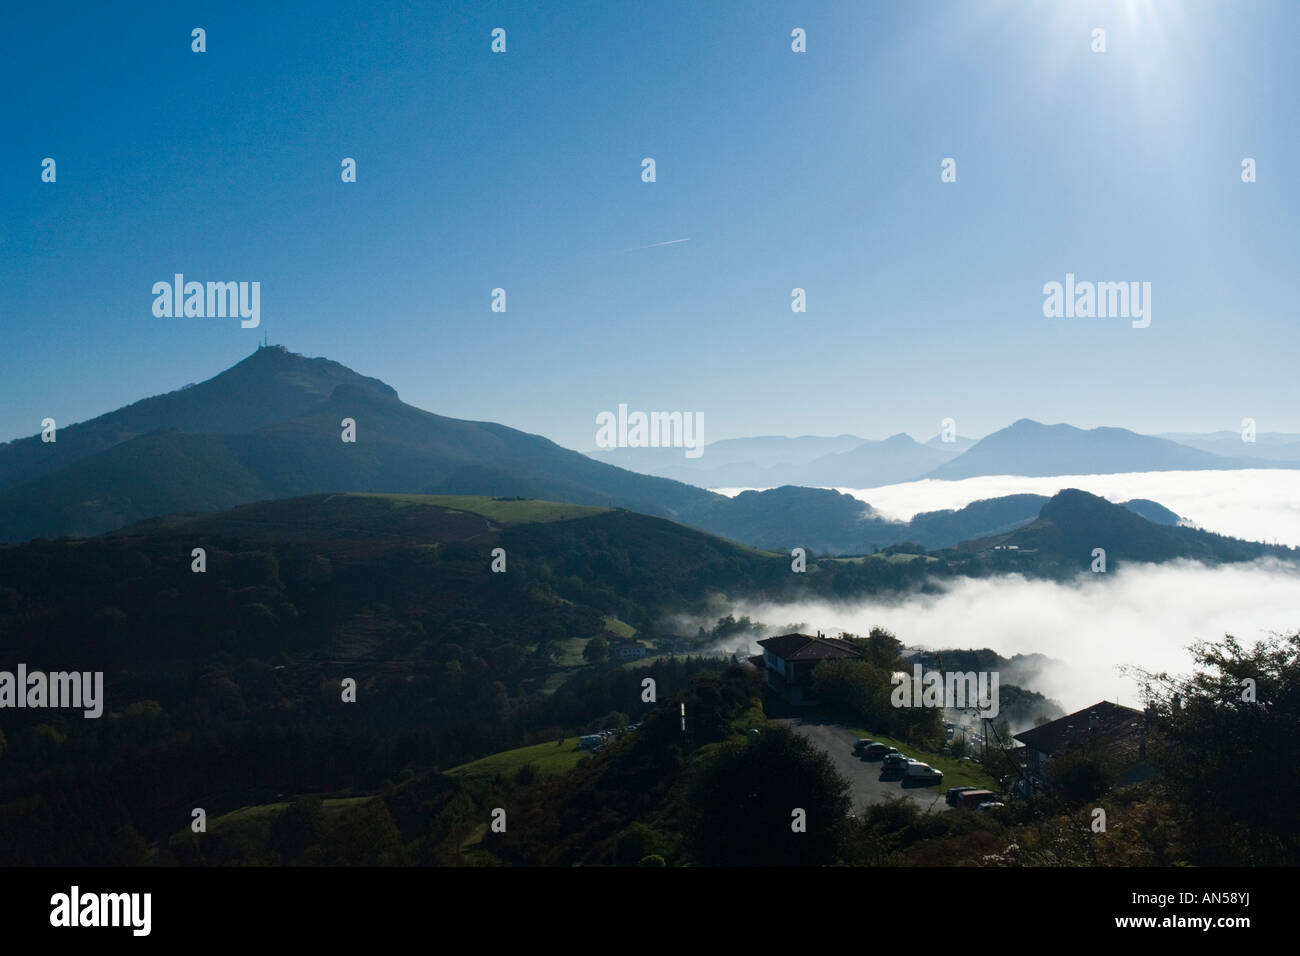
{"x":1079,"y":775}
{"x":637,"y":842}
{"x":861,"y":691}
{"x":615,"y":719}
{"x":362,"y":835}
{"x":884,"y":649}
{"x":248,"y":568}
{"x":300,"y":826}
{"x":128,"y":848}
{"x":1224,"y":740}
{"x":750,"y":796}
{"x":596,"y":651}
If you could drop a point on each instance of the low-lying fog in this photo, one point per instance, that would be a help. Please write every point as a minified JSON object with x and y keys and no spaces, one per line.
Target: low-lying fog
{"x":1144,"y":615}
{"x":1256,"y":504}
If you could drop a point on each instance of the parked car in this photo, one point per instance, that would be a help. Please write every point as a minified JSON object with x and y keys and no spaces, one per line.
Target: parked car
{"x":895,"y":761}
{"x":991,"y":805}
{"x":861,"y":744}
{"x":878,"y":751}
{"x":591,"y":742}
{"x":973,"y":798}
{"x":922,"y":774}
{"x":954,"y":794}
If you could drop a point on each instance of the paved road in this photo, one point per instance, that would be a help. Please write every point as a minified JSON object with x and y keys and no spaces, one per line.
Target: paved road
{"x":863,"y":775}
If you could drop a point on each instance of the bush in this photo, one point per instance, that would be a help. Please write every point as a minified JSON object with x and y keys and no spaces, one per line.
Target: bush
{"x":745,"y":796}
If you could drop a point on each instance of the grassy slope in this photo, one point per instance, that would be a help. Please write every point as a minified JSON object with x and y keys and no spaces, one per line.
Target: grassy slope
{"x":887,"y":558}
{"x":619,"y":628}
{"x":502,"y":512}
{"x":571,"y":649}
{"x":551,"y":760}
{"x":548,"y":759}
{"x":245,"y":815}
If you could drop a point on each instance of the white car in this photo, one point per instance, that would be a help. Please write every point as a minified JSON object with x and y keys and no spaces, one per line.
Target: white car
{"x":922,"y":773}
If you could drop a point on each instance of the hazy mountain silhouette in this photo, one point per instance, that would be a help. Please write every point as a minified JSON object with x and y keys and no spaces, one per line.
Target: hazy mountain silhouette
{"x":897,"y":458}
{"x":1270,"y":446}
{"x":1026,"y":448}
{"x":732,"y":462}
{"x":958,"y":444}
{"x":269,"y":386}
{"x":274,"y":432}
{"x":1033,"y":449}
{"x":845,"y":461}
{"x":270,"y":427}
{"x":1151,"y":510}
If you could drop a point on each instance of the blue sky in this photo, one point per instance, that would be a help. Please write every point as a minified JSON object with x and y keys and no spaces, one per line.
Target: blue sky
{"x":523,"y":171}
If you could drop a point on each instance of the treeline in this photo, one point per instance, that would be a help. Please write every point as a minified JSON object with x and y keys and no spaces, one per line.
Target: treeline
{"x":736,"y":790}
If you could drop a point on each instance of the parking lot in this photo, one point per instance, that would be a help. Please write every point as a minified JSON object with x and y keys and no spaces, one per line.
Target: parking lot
{"x":864,"y":776}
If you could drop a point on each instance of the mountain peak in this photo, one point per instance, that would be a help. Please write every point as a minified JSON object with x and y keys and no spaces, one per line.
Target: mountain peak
{"x":1027,"y":447}
{"x":269,"y":386}
{"x":317,"y":376}
{"x":265,"y":354}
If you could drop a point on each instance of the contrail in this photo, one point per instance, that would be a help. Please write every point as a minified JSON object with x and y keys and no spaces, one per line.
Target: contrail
{"x":652,"y":245}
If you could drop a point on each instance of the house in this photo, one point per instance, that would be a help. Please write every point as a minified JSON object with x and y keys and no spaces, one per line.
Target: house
{"x":1119,"y":733}
{"x":790,"y":658}
{"x":626,"y":650}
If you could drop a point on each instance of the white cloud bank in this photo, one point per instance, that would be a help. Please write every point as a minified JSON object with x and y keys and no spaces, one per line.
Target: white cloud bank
{"x":1144,"y":615}
{"x":1258,"y":504}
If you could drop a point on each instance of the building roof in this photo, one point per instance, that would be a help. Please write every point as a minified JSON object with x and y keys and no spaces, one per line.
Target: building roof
{"x":804,"y":647}
{"x":1102,"y":721}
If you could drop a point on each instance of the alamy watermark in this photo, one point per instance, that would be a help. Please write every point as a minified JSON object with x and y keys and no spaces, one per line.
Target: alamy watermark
{"x":77,"y":909}
{"x":58,"y":689}
{"x":953,"y":689}
{"x":215,"y":300}
{"x":655,"y":430}
{"x":1098,"y":300}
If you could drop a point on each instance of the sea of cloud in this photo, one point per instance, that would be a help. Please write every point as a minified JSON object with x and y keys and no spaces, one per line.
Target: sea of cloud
{"x":1256,"y":504}
{"x":1141,"y":616}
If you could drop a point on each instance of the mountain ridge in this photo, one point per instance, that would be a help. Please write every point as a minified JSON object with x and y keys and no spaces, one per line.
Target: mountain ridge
{"x":1031,"y":449}
{"x":129,"y":465}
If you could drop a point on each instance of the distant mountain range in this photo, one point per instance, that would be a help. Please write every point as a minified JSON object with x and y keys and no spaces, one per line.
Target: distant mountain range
{"x":271,"y":427}
{"x":1024,"y":448}
{"x":1270,"y":446}
{"x":845,"y":461}
{"x":1032,"y":449}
